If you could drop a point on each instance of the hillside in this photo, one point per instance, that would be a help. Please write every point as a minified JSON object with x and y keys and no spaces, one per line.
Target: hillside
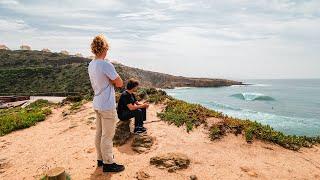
{"x":33,"y":72}
{"x":29,"y":153}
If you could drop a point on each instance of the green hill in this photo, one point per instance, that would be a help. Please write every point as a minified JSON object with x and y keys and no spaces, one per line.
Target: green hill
{"x":34,"y":72}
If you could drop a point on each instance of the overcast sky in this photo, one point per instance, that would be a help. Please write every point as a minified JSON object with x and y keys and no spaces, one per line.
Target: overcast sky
{"x":236,"y":39}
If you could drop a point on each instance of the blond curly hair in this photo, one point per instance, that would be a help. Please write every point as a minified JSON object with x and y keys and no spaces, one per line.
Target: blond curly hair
{"x":99,"y":45}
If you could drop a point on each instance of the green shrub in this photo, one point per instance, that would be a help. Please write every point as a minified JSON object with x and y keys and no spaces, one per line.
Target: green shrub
{"x":74,"y":98}
{"x":182,"y":113}
{"x":152,"y":95}
{"x":76,"y":105}
{"x":19,"y":118}
{"x":215,"y":132}
{"x":249,"y":134}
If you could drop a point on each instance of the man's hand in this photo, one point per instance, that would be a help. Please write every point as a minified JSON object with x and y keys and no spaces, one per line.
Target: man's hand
{"x":118,"y":83}
{"x":146,"y":105}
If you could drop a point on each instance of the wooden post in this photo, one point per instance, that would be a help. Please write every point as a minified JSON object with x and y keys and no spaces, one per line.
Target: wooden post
{"x":57,"y":173}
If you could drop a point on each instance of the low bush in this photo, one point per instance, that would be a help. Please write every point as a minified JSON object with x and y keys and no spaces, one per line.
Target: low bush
{"x":19,"y":118}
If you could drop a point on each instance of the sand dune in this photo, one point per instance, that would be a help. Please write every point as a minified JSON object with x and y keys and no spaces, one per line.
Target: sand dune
{"x":28,"y":153}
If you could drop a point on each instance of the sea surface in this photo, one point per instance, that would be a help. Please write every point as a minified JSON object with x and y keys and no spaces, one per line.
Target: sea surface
{"x":290,"y":106}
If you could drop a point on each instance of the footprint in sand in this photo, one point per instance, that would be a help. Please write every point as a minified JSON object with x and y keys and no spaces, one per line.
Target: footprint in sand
{"x":249,"y":171}
{"x":90,"y":150}
{"x":5,"y":144}
{"x":4,"y":164}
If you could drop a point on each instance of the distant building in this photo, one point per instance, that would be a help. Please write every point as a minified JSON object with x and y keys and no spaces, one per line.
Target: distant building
{"x":45,"y":50}
{"x":78,"y":55}
{"x":25,"y":47}
{"x":2,"y":46}
{"x":115,"y":62}
{"x":64,"y":52}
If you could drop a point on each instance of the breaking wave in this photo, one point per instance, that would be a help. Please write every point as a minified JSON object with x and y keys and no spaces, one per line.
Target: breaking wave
{"x":253,"y":97}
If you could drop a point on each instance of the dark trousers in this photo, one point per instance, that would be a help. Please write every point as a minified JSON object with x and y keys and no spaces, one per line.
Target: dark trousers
{"x":139,"y":116}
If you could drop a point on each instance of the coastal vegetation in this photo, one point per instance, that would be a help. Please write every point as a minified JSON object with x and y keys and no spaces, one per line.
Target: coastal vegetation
{"x":19,"y":118}
{"x":181,"y":113}
{"x":152,"y":95}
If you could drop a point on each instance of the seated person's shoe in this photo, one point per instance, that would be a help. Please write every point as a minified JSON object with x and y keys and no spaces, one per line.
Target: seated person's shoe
{"x":139,"y":130}
{"x":113,"y":167}
{"x":100,"y":163}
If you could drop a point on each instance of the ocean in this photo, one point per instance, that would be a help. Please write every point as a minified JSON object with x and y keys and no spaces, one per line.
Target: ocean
{"x":290,"y":106}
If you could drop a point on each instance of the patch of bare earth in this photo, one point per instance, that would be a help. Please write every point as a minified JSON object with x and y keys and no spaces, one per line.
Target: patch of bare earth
{"x":69,"y":142}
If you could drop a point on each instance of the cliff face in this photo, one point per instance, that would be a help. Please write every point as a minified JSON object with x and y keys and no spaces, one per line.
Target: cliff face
{"x":39,"y":71}
{"x":161,"y":80}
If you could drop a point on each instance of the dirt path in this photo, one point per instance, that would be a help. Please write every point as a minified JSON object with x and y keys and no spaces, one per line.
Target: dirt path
{"x":28,"y":153}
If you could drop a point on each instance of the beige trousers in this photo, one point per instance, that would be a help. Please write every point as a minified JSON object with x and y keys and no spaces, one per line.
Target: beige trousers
{"x":105,"y":126}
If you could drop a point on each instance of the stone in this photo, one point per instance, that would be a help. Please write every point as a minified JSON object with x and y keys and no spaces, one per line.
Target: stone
{"x":142,"y":142}
{"x":193,"y":177}
{"x":141,"y":175}
{"x":65,"y":113}
{"x":171,"y":161}
{"x":122,"y":133}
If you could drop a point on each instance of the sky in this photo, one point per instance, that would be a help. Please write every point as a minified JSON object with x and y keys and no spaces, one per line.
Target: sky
{"x":234,"y":39}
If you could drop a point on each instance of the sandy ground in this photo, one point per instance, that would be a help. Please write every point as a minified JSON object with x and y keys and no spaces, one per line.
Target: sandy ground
{"x":28,"y":153}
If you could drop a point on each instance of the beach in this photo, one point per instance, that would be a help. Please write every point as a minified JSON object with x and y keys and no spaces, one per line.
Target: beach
{"x":29,"y":153}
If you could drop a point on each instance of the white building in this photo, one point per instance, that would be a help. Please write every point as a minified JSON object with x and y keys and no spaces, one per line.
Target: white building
{"x":115,"y":62}
{"x":78,"y":55}
{"x":91,"y":57}
{"x":2,"y":46}
{"x":46,"y":50}
{"x":25,"y":47}
{"x":64,"y":52}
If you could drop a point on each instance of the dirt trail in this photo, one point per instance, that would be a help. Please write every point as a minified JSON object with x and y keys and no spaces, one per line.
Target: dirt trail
{"x":28,"y":153}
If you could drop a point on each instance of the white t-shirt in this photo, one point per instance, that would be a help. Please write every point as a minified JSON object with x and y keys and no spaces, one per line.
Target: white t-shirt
{"x":100,"y":72}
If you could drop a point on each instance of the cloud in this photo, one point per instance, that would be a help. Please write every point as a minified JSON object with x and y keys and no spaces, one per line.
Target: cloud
{"x":148,"y":14}
{"x":155,"y":33}
{"x":90,"y":27}
{"x":14,"y":25}
{"x":9,"y":2}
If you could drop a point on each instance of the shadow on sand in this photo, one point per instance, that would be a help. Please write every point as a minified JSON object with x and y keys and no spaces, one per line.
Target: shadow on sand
{"x":98,"y":174}
{"x":126,"y":148}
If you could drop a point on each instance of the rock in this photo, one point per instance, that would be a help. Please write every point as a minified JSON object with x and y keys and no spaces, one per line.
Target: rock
{"x":65,"y":113}
{"x":122,"y":133}
{"x":90,"y":120}
{"x":171,"y":161}
{"x":141,"y":175}
{"x":193,"y":177}
{"x":142,"y":143}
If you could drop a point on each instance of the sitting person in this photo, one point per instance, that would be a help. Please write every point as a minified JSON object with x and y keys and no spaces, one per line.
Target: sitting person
{"x":129,"y":107}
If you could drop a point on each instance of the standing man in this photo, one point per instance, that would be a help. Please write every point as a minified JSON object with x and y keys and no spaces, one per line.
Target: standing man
{"x":104,"y":78}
